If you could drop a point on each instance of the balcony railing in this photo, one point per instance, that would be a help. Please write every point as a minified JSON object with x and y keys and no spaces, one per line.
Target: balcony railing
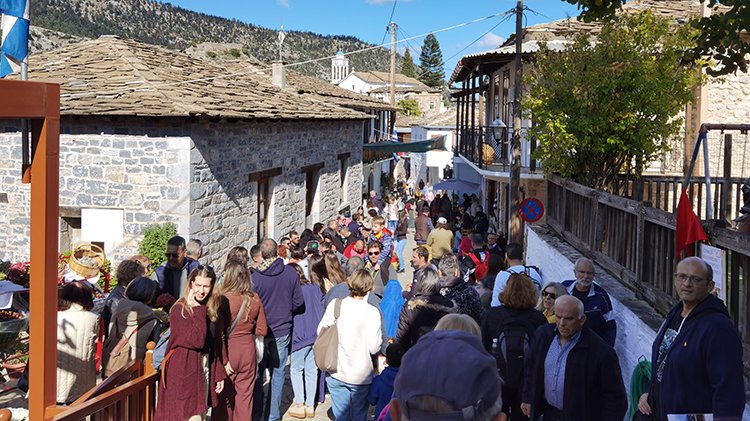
{"x":478,"y":145}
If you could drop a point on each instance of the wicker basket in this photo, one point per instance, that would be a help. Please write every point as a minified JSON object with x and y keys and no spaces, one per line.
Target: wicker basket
{"x":86,"y":260}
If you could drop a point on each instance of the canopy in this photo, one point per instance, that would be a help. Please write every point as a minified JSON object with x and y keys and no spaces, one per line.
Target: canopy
{"x":394,"y":147}
{"x":456,"y":185}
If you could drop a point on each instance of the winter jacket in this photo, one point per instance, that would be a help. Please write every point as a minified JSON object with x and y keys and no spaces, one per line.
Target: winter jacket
{"x":76,"y":352}
{"x":386,"y":240}
{"x":281,"y":295}
{"x":441,"y":242}
{"x":306,"y":323}
{"x":401,"y":228}
{"x":599,"y":314}
{"x":420,"y":315}
{"x":465,"y":298}
{"x":703,"y":368}
{"x":173,"y":281}
{"x":381,"y":275}
{"x":593,"y":389}
{"x":381,"y":389}
{"x":422,"y":228}
{"x":110,"y":305}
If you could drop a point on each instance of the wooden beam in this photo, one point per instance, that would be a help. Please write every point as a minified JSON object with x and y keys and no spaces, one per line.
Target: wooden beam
{"x":312,"y":167}
{"x":345,"y":155}
{"x":24,"y":99}
{"x":259,"y":175}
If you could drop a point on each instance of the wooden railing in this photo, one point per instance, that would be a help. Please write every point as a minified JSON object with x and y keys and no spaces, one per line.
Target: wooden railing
{"x":663,"y":192}
{"x":129,"y":394}
{"x":635,"y":243}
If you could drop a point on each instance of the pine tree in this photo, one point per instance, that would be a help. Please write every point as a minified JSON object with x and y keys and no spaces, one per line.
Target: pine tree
{"x":407,"y":67}
{"x":431,"y":63}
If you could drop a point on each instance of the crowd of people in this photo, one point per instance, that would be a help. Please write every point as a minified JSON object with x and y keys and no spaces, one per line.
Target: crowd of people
{"x":474,"y":334}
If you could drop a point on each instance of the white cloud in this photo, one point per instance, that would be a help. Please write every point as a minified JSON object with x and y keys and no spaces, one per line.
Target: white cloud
{"x":490,"y":40}
{"x":283,"y":3}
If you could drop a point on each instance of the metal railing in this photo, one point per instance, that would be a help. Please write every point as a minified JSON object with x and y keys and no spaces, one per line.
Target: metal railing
{"x":478,"y":145}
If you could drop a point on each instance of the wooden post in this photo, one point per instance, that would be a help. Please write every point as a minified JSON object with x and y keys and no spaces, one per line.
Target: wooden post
{"x":726,"y":187}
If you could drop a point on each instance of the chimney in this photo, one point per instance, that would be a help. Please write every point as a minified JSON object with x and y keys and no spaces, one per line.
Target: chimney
{"x":278,"y":74}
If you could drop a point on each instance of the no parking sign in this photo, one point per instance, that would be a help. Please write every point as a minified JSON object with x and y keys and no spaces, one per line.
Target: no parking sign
{"x":531,"y":209}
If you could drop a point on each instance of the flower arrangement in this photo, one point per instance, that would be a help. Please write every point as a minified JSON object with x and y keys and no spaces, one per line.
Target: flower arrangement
{"x":18,"y":272}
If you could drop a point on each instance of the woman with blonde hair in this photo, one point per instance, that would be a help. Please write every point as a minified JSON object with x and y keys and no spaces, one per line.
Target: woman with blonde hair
{"x":517,"y":316}
{"x":247,"y":320}
{"x":193,"y":365}
{"x":546,"y":303}
{"x":459,"y":322}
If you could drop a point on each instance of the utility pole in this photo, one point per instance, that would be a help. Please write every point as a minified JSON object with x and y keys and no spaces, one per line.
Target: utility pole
{"x":392,"y":79}
{"x":515,"y":230}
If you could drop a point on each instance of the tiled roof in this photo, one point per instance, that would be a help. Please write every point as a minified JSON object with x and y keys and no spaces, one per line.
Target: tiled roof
{"x":423,"y":88}
{"x":111,"y":76}
{"x":380,"y":78}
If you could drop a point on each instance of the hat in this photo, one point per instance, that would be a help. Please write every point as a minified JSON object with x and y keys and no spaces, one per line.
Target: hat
{"x":426,"y":209}
{"x":451,"y":365}
{"x":465,"y":245}
{"x":312,"y":247}
{"x":442,"y":220}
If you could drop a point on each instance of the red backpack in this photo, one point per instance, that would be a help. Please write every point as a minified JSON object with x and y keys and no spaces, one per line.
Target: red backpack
{"x":480,"y":267}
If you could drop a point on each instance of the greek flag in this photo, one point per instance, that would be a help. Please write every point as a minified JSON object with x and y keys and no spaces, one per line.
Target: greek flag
{"x":14,"y":48}
{"x":394,"y":138}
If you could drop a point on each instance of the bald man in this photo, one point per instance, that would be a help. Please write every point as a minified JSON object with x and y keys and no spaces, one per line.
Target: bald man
{"x":697,"y":354}
{"x":572,"y":373}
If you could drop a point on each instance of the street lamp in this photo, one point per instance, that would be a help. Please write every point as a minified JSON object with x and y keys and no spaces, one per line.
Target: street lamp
{"x":498,"y":129}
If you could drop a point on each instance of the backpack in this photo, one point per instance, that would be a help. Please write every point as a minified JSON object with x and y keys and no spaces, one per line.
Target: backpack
{"x":480,"y":267}
{"x":510,"y":348}
{"x":160,"y":349}
{"x":527,"y":273}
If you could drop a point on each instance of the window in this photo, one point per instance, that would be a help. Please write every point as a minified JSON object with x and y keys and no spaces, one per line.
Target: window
{"x":263,"y":199}
{"x":312,"y":178}
{"x":506,"y":97}
{"x":432,"y":105}
{"x":343,"y":168}
{"x":496,"y":100}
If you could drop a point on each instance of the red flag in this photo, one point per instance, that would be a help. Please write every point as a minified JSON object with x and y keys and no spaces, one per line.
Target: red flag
{"x":689,"y":229}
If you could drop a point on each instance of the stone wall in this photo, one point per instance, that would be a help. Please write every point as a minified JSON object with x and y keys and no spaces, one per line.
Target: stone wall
{"x":223,"y":210}
{"x":192,"y":172}
{"x":116,"y":163}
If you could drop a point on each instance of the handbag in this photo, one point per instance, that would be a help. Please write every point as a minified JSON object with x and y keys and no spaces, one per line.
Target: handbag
{"x":119,"y":357}
{"x":326,"y":346}
{"x":260,"y":344}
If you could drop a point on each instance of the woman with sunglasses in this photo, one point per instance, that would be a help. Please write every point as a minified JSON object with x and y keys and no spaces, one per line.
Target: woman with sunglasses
{"x":193,"y":365}
{"x":550,"y":293}
{"x":515,"y":319}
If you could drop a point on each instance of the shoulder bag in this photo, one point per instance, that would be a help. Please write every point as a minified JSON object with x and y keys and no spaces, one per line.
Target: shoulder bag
{"x":326,"y":346}
{"x":119,"y":356}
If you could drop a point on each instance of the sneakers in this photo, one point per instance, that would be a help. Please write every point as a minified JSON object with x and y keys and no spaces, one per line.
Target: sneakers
{"x":297,"y":410}
{"x":310,"y":411}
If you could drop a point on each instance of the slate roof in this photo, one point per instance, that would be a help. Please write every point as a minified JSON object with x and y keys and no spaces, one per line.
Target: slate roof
{"x":383,"y":78}
{"x":112,"y":76}
{"x":423,"y":88}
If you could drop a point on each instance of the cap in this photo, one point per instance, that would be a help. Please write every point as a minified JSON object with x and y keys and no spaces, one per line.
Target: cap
{"x":312,"y":246}
{"x":451,"y":365}
{"x":442,"y":220}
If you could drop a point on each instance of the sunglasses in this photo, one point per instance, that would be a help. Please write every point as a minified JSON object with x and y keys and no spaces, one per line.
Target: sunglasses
{"x":172,"y":255}
{"x":207,"y":268}
{"x":374,"y":253}
{"x":549,"y":294}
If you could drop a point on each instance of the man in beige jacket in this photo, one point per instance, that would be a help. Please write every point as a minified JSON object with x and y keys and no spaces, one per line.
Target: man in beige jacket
{"x":440,"y":240}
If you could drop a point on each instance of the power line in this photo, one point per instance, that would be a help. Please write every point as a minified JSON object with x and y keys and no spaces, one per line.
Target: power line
{"x":150,"y":87}
{"x":390,"y":19}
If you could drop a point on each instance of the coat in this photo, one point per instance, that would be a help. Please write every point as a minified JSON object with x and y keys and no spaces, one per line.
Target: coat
{"x":593,"y":389}
{"x":465,"y":297}
{"x":76,"y":351}
{"x":127,"y":316}
{"x":419,"y":316}
{"x":704,"y":375}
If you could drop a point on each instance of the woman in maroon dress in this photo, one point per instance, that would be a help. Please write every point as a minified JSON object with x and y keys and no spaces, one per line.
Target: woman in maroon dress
{"x":236,"y":401}
{"x":183,"y":395}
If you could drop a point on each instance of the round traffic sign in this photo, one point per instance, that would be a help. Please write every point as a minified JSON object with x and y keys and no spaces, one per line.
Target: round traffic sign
{"x":531,"y":209}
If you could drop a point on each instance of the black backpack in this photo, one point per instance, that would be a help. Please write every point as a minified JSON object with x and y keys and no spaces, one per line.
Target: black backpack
{"x":510,"y":348}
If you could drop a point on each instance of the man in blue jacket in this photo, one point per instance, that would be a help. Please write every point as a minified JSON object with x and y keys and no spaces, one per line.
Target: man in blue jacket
{"x":697,"y":354}
{"x":600,"y":316}
{"x":172,"y":275}
{"x":279,"y":290}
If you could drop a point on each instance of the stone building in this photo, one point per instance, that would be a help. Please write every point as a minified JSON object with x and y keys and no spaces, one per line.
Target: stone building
{"x":159,"y":136}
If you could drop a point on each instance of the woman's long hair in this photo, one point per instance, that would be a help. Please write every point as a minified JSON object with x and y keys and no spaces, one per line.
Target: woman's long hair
{"x":238,"y":280}
{"x":316,"y":271}
{"x":213,"y":300}
{"x":333,"y":269}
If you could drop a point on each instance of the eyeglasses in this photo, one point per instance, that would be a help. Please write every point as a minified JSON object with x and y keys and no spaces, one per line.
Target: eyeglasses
{"x":683,"y":278}
{"x":549,"y":294}
{"x":207,"y":268}
{"x":373,"y":253}
{"x":172,"y":255}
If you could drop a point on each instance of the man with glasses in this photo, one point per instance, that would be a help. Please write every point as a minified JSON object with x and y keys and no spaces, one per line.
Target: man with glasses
{"x":600,"y":316}
{"x":173,"y":274}
{"x":381,"y":272}
{"x":697,"y":354}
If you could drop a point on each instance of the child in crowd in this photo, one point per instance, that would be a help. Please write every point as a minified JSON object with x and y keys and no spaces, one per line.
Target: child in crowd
{"x":381,"y":389}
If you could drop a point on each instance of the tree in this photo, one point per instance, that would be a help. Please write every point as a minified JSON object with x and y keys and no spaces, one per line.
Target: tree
{"x":409,"y":107}
{"x":721,"y":35}
{"x":407,"y":67}
{"x":431,"y":63}
{"x":609,"y":107}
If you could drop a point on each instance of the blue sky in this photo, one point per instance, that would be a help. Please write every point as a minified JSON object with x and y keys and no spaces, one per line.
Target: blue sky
{"x":367,"y":19}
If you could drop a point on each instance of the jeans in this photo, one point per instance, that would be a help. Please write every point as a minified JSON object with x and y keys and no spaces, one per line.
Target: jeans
{"x":400,"y":246}
{"x":304,"y":386}
{"x":348,"y":401}
{"x":275,"y":362}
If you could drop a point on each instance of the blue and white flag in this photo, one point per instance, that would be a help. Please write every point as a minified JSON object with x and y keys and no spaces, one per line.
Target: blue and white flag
{"x":14,"y":47}
{"x":394,"y":138}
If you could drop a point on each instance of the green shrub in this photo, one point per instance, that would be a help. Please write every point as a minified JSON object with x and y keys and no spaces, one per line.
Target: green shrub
{"x":154,"y":243}
{"x":210,"y":54}
{"x":235,"y":53}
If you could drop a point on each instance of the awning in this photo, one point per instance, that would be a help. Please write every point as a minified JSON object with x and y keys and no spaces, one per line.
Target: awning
{"x":395,"y":147}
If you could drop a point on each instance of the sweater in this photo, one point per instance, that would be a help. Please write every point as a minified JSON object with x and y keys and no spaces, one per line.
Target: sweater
{"x":381,"y":389}
{"x":440,"y":242}
{"x":76,"y":349}
{"x":306,"y":323}
{"x":279,"y":291}
{"x":360,"y":335}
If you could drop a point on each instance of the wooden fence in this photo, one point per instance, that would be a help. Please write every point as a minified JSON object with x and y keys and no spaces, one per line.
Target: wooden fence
{"x":635,"y":242}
